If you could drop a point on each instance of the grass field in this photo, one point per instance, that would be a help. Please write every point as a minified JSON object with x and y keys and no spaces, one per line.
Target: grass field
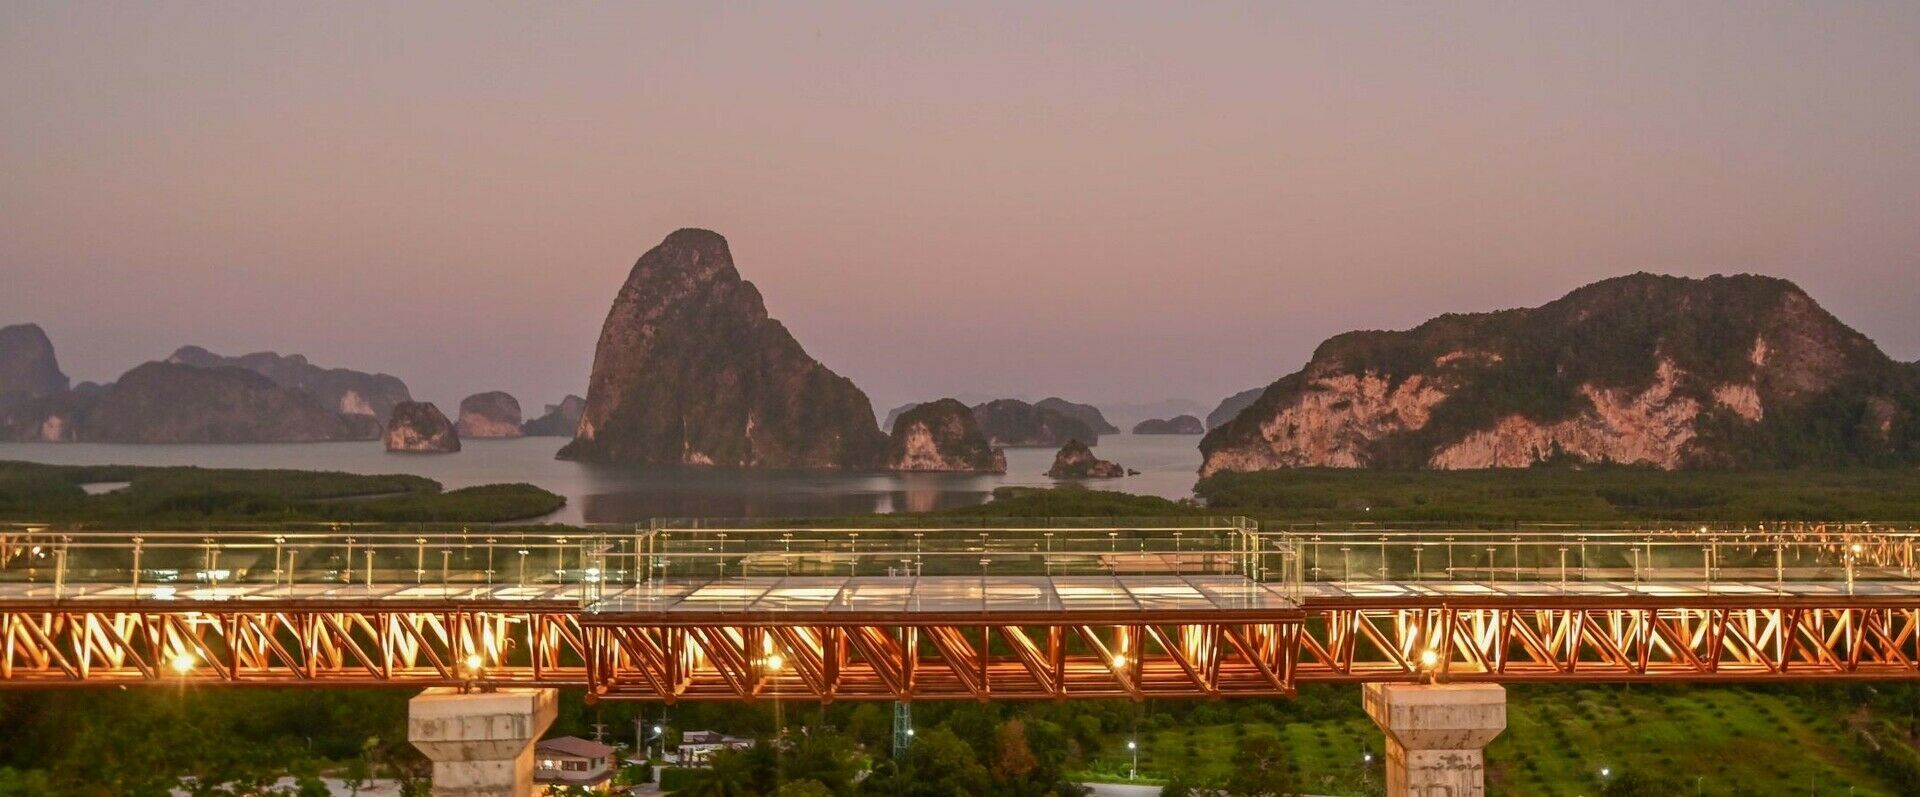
{"x":1710,"y":741}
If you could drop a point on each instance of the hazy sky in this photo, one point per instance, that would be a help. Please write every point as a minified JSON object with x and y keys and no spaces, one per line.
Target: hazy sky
{"x":1109,"y":201}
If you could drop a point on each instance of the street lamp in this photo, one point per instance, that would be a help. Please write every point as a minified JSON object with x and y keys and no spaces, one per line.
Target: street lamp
{"x":1133,"y":747}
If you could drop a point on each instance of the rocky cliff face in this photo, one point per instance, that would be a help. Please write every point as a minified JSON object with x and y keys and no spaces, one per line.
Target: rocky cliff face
{"x":1011,"y":422}
{"x":1178,"y":424}
{"x":28,"y":369}
{"x":491,"y":414}
{"x":1739,"y":371}
{"x":1076,"y":461}
{"x":560,"y":420}
{"x":942,"y":436}
{"x":691,"y":371}
{"x":418,"y":427}
{"x":52,"y":418}
{"x":1085,"y":413}
{"x":1233,"y":405}
{"x":172,"y":403}
{"x":341,"y":390}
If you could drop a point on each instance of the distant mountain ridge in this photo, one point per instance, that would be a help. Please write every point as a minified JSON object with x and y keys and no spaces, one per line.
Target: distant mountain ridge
{"x":343,"y":390}
{"x":1740,"y":371}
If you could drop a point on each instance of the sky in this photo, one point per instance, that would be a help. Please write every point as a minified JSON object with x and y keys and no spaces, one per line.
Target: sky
{"x":1108,"y":201}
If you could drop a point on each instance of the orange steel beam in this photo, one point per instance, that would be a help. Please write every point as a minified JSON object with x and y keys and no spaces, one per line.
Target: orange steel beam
{"x":982,"y":656}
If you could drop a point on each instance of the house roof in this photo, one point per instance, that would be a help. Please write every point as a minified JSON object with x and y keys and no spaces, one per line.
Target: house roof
{"x":573,"y":746}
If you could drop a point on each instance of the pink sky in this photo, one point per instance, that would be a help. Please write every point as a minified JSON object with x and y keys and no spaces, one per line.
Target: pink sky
{"x":1108,"y":201}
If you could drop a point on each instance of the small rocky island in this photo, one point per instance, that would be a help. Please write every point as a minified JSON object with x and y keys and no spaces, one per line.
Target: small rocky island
{"x":1076,"y":461}
{"x":494,"y":413}
{"x":942,"y":436}
{"x":419,"y":427}
{"x":1178,"y":424}
{"x":560,"y":420}
{"x":1012,"y":422}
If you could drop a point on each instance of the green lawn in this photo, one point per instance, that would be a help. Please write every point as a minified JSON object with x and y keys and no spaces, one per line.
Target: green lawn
{"x":1718,"y":740}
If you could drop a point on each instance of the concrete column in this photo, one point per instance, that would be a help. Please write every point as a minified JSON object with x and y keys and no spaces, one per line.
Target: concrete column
{"x":1436,"y":734}
{"x":481,"y":743}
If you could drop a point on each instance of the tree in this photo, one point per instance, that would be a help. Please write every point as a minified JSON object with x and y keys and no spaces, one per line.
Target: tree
{"x":1013,"y":759}
{"x":1260,"y":769}
{"x":803,"y":788}
{"x":938,"y":765}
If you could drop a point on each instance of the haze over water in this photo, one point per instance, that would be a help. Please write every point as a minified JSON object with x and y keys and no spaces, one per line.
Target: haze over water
{"x":1104,"y":201}
{"x":610,"y":494}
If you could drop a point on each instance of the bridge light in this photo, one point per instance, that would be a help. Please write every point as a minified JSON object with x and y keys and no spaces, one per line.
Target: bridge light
{"x":474,"y":663}
{"x":1856,"y":549}
{"x":775,"y":662}
{"x":1429,"y":659}
{"x":182,"y":663}
{"x":1119,"y":660}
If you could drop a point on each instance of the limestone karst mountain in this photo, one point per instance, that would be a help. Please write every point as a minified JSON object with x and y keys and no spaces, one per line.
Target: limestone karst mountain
{"x":559,"y":420}
{"x":1669,"y":372}
{"x":28,"y":368}
{"x":1178,"y":424}
{"x":173,"y":403}
{"x":1086,"y":413}
{"x":1232,"y":405}
{"x":494,"y":413}
{"x":419,"y":427}
{"x":1012,"y":422}
{"x":942,"y":436}
{"x":1076,"y":461}
{"x":690,"y":370}
{"x":342,"y":390}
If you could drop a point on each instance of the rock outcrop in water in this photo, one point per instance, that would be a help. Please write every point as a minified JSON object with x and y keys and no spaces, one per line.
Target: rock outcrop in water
{"x":341,"y":390}
{"x":172,"y":403}
{"x":1232,"y":406}
{"x":1012,"y":422}
{"x":560,"y":420}
{"x":1076,"y":461}
{"x":494,"y":413}
{"x":52,"y":418}
{"x":418,"y":427}
{"x":28,"y":368}
{"x":1668,"y":372}
{"x":1085,"y":413}
{"x":690,"y":370}
{"x":1178,"y":424}
{"x":942,"y":436}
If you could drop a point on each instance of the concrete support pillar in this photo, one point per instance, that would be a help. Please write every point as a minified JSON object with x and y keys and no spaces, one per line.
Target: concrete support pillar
{"x":481,"y":743}
{"x":1436,"y":734}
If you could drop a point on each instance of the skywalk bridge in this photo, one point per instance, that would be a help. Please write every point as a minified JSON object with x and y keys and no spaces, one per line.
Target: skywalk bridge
{"x":1022,"y":610}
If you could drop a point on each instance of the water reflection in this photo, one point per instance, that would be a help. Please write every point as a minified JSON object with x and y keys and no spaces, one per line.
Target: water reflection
{"x":610,"y":494}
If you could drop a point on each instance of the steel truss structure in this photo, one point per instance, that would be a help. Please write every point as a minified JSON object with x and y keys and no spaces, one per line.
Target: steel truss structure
{"x":1026,"y":657}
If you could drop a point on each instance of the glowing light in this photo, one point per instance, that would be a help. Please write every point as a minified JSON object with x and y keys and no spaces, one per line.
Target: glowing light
{"x":164,"y":593}
{"x":1119,"y":661}
{"x":909,"y":731}
{"x":1131,"y":745}
{"x":775,"y":662}
{"x":658,"y":729}
{"x":1606,"y":772}
{"x":474,"y":662}
{"x":1856,"y":548}
{"x":1428,"y":658}
{"x":182,"y":663}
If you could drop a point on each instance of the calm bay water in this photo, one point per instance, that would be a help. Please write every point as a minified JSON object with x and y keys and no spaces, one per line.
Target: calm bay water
{"x":608,"y":494}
